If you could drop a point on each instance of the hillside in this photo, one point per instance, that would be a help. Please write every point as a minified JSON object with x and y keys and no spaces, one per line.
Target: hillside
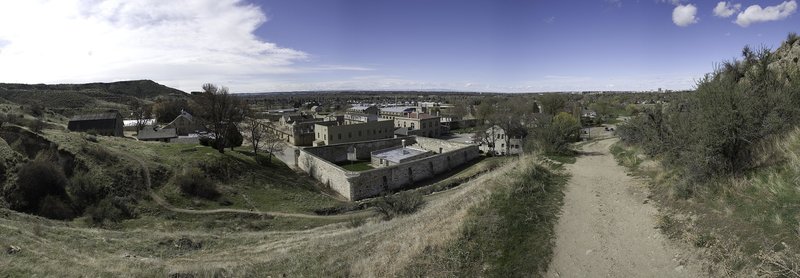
{"x":723,"y":162}
{"x":70,"y":99}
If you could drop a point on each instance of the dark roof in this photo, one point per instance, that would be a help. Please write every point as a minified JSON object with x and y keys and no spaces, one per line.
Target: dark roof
{"x":92,"y":117}
{"x":150,"y":133}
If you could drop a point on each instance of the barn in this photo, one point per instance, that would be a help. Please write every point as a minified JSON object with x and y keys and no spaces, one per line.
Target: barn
{"x":108,"y":124}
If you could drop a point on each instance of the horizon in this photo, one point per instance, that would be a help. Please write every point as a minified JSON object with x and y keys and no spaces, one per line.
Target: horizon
{"x":264,"y":46}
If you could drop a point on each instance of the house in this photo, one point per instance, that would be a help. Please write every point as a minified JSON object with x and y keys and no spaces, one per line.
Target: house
{"x":316,"y":108}
{"x":420,"y":124}
{"x":327,"y":133}
{"x":184,"y":124}
{"x":496,"y":141}
{"x":151,"y":133}
{"x":108,"y":124}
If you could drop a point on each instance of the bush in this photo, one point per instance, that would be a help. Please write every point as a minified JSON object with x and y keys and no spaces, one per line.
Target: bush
{"x":207,"y":141}
{"x":104,"y":212}
{"x":55,"y":207}
{"x":37,"y":180}
{"x":84,"y":191}
{"x":554,"y":135}
{"x":192,"y":182}
{"x":402,"y":203}
{"x":715,"y":130}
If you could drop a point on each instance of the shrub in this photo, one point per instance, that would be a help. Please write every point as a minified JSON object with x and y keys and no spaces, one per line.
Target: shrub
{"x":207,"y":141}
{"x":192,"y":182}
{"x":791,"y":38}
{"x":35,"y":181}
{"x":54,"y":207}
{"x":104,"y":212}
{"x":402,"y":203}
{"x":85,"y":191}
{"x":554,"y":135}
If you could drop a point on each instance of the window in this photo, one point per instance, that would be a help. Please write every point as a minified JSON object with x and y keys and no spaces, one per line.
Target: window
{"x":349,"y":135}
{"x":359,"y":133}
{"x":339,"y":136}
{"x":412,"y":125}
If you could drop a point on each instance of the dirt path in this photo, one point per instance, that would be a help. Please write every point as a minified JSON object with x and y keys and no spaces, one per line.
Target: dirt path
{"x":607,"y":227}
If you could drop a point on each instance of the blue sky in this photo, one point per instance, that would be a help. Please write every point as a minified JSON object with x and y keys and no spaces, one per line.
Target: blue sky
{"x":277,"y":45}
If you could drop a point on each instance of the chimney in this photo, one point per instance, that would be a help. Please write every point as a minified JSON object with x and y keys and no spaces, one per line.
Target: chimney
{"x":404,"y":143}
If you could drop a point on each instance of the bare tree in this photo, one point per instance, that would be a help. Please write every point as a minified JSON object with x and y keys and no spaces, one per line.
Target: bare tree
{"x":254,"y":133}
{"x":218,"y":111}
{"x":271,"y":141}
{"x":142,"y":114}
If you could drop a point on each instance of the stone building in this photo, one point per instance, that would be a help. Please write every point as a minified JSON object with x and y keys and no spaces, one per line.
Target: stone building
{"x":420,"y":124}
{"x":331,"y":133}
{"x":433,"y":157}
{"x":108,"y":124}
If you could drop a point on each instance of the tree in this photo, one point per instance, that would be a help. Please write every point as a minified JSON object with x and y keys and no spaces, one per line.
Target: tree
{"x":218,"y":111}
{"x":510,"y":121}
{"x":553,"y":103}
{"x":460,"y":109}
{"x":166,"y":110}
{"x":485,"y":109}
{"x":553,"y":134}
{"x":254,"y":134}
{"x":272,"y":142}
{"x":142,"y":114}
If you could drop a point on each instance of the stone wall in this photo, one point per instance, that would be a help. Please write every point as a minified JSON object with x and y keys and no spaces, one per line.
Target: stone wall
{"x":319,"y":162}
{"x":374,"y":182}
{"x":326,"y":172}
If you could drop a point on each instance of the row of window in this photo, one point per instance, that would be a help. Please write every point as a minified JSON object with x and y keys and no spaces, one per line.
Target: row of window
{"x":350,"y":134}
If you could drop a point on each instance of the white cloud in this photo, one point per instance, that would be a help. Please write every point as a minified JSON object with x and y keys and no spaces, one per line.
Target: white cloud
{"x":684,"y":15}
{"x":755,"y":13}
{"x":725,"y":9}
{"x":182,"y":43}
{"x":617,"y":3}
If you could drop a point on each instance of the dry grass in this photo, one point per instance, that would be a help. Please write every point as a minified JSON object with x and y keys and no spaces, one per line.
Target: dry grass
{"x":744,"y":226}
{"x":372,"y":248}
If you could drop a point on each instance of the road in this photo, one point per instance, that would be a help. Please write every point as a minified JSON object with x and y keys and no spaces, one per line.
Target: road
{"x":607,"y":227}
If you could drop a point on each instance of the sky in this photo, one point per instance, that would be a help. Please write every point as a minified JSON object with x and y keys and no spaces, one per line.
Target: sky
{"x":457,"y":45}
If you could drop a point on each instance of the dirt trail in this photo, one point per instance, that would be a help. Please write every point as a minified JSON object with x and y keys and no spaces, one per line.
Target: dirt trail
{"x":607,"y":228}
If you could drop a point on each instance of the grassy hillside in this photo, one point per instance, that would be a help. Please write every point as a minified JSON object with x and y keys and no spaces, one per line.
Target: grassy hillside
{"x":371,"y":247}
{"x":70,"y":99}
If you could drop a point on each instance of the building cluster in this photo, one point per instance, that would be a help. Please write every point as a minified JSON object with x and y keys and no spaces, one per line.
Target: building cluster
{"x":184,"y":128}
{"x":359,"y":123}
